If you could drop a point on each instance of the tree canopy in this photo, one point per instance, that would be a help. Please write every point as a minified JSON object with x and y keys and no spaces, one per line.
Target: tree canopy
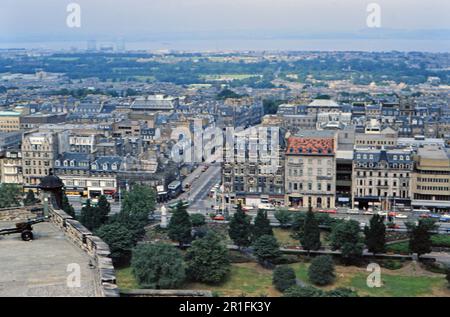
{"x":240,"y":228}
{"x":208,"y":259}
{"x":158,"y":266}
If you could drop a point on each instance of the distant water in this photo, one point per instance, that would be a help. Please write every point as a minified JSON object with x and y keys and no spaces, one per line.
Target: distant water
{"x":259,"y":45}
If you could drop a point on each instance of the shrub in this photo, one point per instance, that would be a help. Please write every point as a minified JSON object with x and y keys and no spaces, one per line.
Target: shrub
{"x":299,"y":291}
{"x":158,"y":266}
{"x":321,"y":270}
{"x":197,"y":220}
{"x":283,"y":277}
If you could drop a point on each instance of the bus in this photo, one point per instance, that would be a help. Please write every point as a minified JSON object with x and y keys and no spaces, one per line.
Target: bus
{"x":174,"y":189}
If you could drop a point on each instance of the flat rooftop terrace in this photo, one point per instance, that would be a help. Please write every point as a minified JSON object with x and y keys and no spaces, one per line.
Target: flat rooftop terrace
{"x":39,"y":267}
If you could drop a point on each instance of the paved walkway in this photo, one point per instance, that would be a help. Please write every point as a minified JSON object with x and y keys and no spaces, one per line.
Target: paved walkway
{"x":39,"y":267}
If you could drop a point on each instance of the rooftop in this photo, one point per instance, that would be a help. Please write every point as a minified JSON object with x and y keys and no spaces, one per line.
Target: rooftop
{"x":310,"y":146}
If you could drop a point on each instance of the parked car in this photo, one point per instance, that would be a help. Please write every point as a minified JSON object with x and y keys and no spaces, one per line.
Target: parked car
{"x":328,"y":211}
{"x":219,"y":218}
{"x":353,"y":211}
{"x":424,"y":215}
{"x":382,"y":213}
{"x":401,"y":216}
{"x":367,"y":212}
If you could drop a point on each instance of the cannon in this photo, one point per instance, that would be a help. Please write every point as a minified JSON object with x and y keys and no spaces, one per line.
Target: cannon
{"x":24,"y":228}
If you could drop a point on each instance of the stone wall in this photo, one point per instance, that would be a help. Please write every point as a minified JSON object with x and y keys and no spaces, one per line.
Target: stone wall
{"x":19,"y":214}
{"x":95,"y":247}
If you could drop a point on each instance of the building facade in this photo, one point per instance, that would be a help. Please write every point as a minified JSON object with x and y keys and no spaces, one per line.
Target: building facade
{"x":39,"y":151}
{"x":310,"y":168}
{"x":431,"y":179}
{"x":381,"y":178}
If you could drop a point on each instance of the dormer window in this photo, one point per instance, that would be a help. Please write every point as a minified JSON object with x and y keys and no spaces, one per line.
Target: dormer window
{"x":65,"y":163}
{"x":72,"y":163}
{"x":105,"y":166}
{"x":94,"y":166}
{"x":114,"y":166}
{"x":57,"y":163}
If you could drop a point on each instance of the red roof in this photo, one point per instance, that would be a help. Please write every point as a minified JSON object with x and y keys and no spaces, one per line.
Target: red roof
{"x":310,"y":146}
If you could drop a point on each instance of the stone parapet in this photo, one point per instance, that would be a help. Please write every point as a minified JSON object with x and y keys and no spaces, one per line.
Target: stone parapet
{"x":95,"y":247}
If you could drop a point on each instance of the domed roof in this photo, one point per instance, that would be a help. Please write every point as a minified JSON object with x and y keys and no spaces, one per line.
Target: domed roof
{"x":51,"y":182}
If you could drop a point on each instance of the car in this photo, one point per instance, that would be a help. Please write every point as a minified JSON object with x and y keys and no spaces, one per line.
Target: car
{"x":382,"y":213}
{"x":392,"y":213}
{"x":435,"y":216}
{"x":353,"y":211}
{"x":219,"y":218}
{"x":401,"y":216}
{"x":328,"y":211}
{"x":424,"y":216}
{"x":367,"y":212}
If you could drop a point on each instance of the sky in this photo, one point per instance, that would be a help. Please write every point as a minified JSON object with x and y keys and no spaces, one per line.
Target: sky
{"x":135,"y":20}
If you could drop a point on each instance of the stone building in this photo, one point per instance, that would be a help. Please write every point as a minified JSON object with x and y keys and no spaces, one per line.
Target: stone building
{"x":310,"y":168}
{"x":39,"y":151}
{"x":11,"y":167}
{"x":430,"y":182}
{"x":9,"y":121}
{"x":381,"y":178}
{"x":253,"y":167}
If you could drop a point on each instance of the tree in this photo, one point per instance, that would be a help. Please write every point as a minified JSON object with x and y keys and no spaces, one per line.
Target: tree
{"x":267,"y":249}
{"x":90,"y":217}
{"x":261,"y":226}
{"x":103,"y":208}
{"x":29,"y":199}
{"x":346,"y":237}
{"x":321,"y":270}
{"x":10,"y":195}
{"x":197,"y":220}
{"x":158,"y":266}
{"x":67,"y":207}
{"x":284,"y":217}
{"x":311,"y":232}
{"x":298,"y":225}
{"x":119,"y":239}
{"x":240,"y":228}
{"x":375,"y":234}
{"x":139,"y":201}
{"x":208,"y":259}
{"x":180,"y":225}
{"x":420,"y":238}
{"x":303,"y":291}
{"x":283,"y":277}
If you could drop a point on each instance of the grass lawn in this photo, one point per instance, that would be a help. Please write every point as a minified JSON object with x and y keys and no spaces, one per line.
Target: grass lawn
{"x":250,"y":279}
{"x":125,"y":279}
{"x":407,"y":282}
{"x":284,"y":237}
{"x":441,"y":240}
{"x":399,"y":247}
{"x":247,"y":279}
